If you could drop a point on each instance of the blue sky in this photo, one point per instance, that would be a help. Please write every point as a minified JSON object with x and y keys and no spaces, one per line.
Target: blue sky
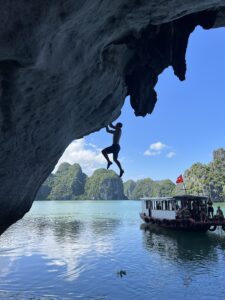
{"x":187,"y":124}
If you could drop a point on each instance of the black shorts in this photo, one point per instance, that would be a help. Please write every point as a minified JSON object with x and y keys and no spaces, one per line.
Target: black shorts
{"x":114,"y":149}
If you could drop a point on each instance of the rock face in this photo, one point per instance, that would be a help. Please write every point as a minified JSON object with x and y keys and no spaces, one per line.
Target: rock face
{"x":65,"y":69}
{"x":46,"y":188}
{"x":68,"y":183}
{"x":208,"y":179}
{"x":104,"y":185}
{"x":219,"y":155}
{"x":128,"y":187}
{"x":149,"y":188}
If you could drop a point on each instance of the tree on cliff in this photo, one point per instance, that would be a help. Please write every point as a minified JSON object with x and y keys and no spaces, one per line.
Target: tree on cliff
{"x":128,"y":188}
{"x":69,"y":182}
{"x":208,"y":179}
{"x":66,"y":184}
{"x":104,"y":185}
{"x":149,"y":188}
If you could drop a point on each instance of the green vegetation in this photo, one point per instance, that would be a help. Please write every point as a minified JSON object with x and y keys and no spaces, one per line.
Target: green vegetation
{"x":69,"y":183}
{"x":208,"y":179}
{"x":104,"y":184}
{"x":164,"y":188}
{"x":148,"y":188}
{"x":129,"y":187}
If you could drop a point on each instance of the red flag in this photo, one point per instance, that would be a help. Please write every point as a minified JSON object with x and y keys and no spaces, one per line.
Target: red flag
{"x":179,"y":179}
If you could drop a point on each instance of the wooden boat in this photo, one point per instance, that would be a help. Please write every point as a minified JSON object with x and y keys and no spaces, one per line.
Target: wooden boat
{"x":185,"y":212}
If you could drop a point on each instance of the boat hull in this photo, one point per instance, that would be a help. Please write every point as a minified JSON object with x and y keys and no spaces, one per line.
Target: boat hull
{"x":182,"y":224}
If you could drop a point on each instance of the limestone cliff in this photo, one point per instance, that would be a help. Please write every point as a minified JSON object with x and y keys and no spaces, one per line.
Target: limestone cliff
{"x":150,"y":188}
{"x":208,"y":179}
{"x":65,"y":69}
{"x":129,"y":186}
{"x":46,"y":188}
{"x":104,"y":185}
{"x":66,"y":184}
{"x":70,"y":183}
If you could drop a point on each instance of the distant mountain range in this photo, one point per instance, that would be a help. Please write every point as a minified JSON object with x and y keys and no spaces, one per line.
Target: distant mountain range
{"x":70,"y":183}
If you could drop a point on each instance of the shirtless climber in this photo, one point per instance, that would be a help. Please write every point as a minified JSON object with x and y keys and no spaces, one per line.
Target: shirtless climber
{"x":115,"y":148}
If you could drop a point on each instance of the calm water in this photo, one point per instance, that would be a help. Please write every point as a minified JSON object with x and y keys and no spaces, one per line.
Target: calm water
{"x":73,"y":250}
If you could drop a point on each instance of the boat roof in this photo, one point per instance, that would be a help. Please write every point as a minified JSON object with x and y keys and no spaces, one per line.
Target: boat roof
{"x":158,"y":198}
{"x":178,"y":197}
{"x":190,"y":197}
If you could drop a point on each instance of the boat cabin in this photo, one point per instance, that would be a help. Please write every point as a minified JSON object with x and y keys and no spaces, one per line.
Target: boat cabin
{"x":169,"y":207}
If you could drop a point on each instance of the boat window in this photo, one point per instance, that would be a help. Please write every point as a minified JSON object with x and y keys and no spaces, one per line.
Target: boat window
{"x":158,"y":205}
{"x":178,"y":204}
{"x":173,"y":205}
{"x":166,"y":205}
{"x":148,"y":204}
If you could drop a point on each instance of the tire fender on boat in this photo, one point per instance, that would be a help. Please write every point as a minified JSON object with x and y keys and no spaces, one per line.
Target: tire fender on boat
{"x":213,"y":227}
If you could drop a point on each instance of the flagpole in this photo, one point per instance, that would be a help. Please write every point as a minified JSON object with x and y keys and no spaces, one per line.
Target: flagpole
{"x":185,"y":189}
{"x":180,"y":179}
{"x":184,"y":185}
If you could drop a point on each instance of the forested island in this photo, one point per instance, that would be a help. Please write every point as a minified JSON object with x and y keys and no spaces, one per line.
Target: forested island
{"x":208,"y":179}
{"x":70,"y":183}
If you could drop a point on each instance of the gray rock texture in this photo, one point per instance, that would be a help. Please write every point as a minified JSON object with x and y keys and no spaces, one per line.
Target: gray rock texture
{"x":67,"y":183}
{"x":208,"y":179}
{"x":104,"y":185}
{"x":148,"y":188}
{"x":219,"y":154}
{"x":129,"y":187}
{"x":65,"y":69}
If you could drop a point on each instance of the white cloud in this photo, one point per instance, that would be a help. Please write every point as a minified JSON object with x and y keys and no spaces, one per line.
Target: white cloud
{"x":151,"y":153}
{"x":155,"y":149}
{"x":158,"y":146}
{"x":87,"y":155}
{"x":171,"y":154}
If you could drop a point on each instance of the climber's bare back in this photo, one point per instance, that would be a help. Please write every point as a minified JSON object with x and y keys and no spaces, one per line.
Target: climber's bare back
{"x":117,"y":135}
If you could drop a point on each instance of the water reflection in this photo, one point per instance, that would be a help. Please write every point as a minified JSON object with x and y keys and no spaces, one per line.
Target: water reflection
{"x":183,"y":247}
{"x":60,"y":228}
{"x":61,"y":241}
{"x":55,"y":252}
{"x":104,"y":226}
